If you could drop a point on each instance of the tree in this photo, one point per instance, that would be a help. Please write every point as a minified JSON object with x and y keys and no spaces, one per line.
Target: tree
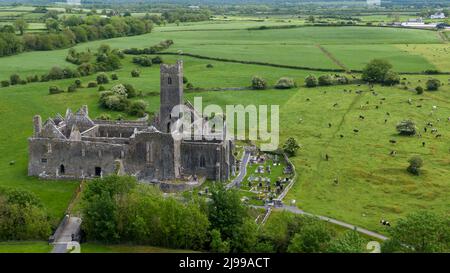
{"x":225,"y":211}
{"x":52,"y":24}
{"x":102,"y":78}
{"x":376,"y":70}
{"x":406,"y":127}
{"x":314,"y":237}
{"x":391,"y":78}
{"x":349,"y":242}
{"x":415,"y":163}
{"x":21,"y":25}
{"x":137,"y":108}
{"x":217,"y":245}
{"x":291,"y":146}
{"x":421,"y":231}
{"x":258,"y":83}
{"x":325,"y":80}
{"x":419,"y":90}
{"x":311,"y":81}
{"x":285,"y":83}
{"x":433,"y":84}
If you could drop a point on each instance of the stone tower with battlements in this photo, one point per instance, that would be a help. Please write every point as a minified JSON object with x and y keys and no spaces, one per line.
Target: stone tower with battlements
{"x":171,"y":93}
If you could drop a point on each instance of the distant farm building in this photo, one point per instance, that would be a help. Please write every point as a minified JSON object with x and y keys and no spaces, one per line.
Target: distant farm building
{"x":438,"y":15}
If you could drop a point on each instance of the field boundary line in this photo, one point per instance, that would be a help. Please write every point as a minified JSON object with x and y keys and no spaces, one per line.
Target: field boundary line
{"x":333,"y":58}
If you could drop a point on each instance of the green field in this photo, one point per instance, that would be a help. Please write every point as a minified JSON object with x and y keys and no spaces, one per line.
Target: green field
{"x":101,"y":248}
{"x":25,"y":247}
{"x":295,"y":47}
{"x":372,"y":184}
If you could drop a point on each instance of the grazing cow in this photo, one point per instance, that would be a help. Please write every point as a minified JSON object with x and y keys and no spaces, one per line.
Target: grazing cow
{"x":385,"y":223}
{"x":361,"y":117}
{"x":327,"y":157}
{"x":385,"y":121}
{"x":418,"y":106}
{"x":410,"y":101}
{"x":393,"y":153}
{"x":448,"y":119}
{"x":434,"y":107}
{"x":425,"y":129}
{"x":329,"y":125}
{"x":388,"y":114}
{"x":355,"y":130}
{"x":307,"y":99}
{"x":434,"y":130}
{"x":393,"y":141}
{"x":342,"y":136}
{"x":376,"y":107}
{"x":423,"y":144}
{"x":438,"y":135}
{"x":336,"y":104}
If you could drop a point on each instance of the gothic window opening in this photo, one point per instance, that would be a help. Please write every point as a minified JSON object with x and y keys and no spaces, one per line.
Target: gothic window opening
{"x":98,"y":171}
{"x":62,"y":169}
{"x":168,"y":127}
{"x":202,"y":162}
{"x":169,"y":80}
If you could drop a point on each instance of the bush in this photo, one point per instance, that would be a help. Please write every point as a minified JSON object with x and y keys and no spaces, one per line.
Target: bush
{"x":135,"y":73}
{"x":406,"y":127}
{"x":102,"y":78}
{"x":78,"y":83}
{"x":209,"y":66}
{"x":72,"y":88}
{"x":311,"y":81}
{"x":14,"y":79}
{"x":137,"y":108}
{"x":341,"y":79}
{"x":189,"y":86}
{"x":185,"y":80}
{"x":415,"y":163}
{"x":376,"y":70}
{"x":120,"y":90}
{"x":157,"y":60}
{"x":391,"y":78}
{"x":92,"y":84}
{"x":116,"y":103}
{"x":433,"y":84}
{"x":258,"y":83}
{"x":325,"y":80}
{"x":419,"y":90}
{"x":5,"y":83}
{"x":285,"y":83}
{"x":131,"y":92}
{"x":104,"y":116}
{"x":114,"y":77}
{"x":55,"y":90}
{"x":291,"y":146}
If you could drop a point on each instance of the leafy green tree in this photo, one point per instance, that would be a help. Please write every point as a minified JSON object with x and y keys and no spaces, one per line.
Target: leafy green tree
{"x":258,"y":83}
{"x":314,"y":237}
{"x":433,"y":84}
{"x":285,"y":83}
{"x":225,"y":211}
{"x":217,"y":245}
{"x":422,"y":232}
{"x":349,"y":242}
{"x":21,"y":25}
{"x":52,"y":25}
{"x":325,"y":80}
{"x":311,"y":81}
{"x":406,"y":127}
{"x":376,"y":70}
{"x":291,"y":146}
{"x":391,"y":78}
{"x":137,"y":108}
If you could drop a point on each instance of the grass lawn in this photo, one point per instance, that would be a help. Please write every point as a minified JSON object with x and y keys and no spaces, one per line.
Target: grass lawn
{"x":25,"y":247}
{"x":436,"y":54}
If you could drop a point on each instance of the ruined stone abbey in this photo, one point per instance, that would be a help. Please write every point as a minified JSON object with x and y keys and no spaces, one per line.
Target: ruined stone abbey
{"x":77,"y":147}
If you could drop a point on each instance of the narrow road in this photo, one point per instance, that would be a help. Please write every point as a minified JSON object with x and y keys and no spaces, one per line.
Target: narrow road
{"x":72,"y":227}
{"x":334,"y":221}
{"x":242,"y":170}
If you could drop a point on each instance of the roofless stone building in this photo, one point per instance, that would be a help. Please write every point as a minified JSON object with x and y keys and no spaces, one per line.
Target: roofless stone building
{"x":77,"y":147}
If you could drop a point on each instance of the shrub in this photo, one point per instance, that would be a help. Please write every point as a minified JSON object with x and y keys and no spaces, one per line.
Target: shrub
{"x":116,"y":102}
{"x":419,"y":90}
{"x":104,"y":116}
{"x":120,"y":90}
{"x":101,"y":88}
{"x":415,"y":163}
{"x":78,"y":83}
{"x":285,"y":83}
{"x":376,"y":70}
{"x":135,"y":73}
{"x":137,"y":108}
{"x":189,"y":86}
{"x":209,"y":66}
{"x":92,"y":84}
{"x":131,"y":92}
{"x":102,"y":78}
{"x":72,"y":88}
{"x":311,"y":81}
{"x":5,"y":83}
{"x":157,"y":60}
{"x":291,"y":146}
{"x":55,"y":90}
{"x":34,"y":78}
{"x":185,"y":80}
{"x":14,"y":79}
{"x":258,"y":83}
{"x":341,"y":79}
{"x":406,"y":127}
{"x":433,"y":84}
{"x":325,"y":80}
{"x":114,"y":77}
{"x":391,"y":78}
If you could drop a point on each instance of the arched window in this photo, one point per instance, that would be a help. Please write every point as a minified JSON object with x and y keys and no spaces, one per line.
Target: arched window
{"x":202,"y":161}
{"x":169,"y":80}
{"x":168,"y":127}
{"x":62,"y":169}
